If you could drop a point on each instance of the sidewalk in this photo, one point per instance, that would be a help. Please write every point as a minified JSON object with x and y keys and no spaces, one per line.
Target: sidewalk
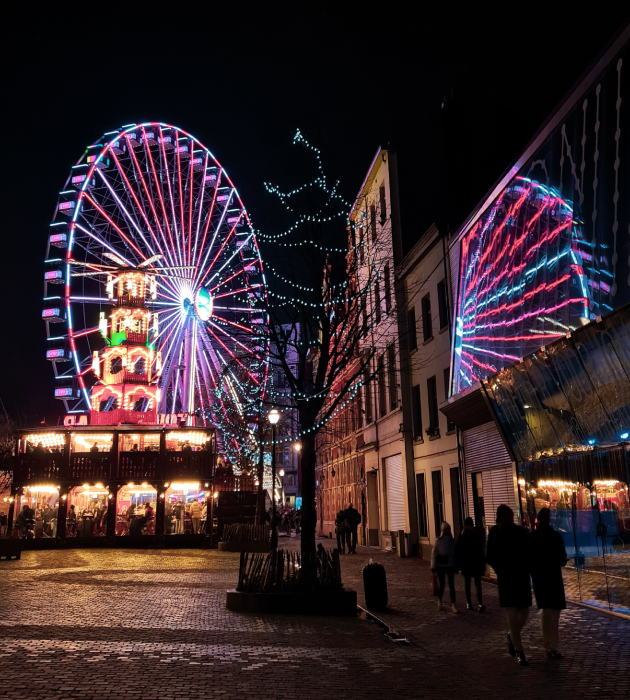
{"x":109,"y":624}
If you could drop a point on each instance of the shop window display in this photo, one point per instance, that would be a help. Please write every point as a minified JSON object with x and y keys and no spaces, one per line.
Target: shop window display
{"x":87,"y":511}
{"x":97,"y":442}
{"x":39,"y":518}
{"x":185,"y":509}
{"x":135,"y":510}
{"x":589,"y":502}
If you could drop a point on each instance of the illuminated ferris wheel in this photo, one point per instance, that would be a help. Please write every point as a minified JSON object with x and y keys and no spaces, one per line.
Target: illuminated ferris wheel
{"x":151,"y":198}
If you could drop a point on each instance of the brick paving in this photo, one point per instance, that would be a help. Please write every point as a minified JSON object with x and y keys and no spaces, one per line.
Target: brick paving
{"x":109,"y":624}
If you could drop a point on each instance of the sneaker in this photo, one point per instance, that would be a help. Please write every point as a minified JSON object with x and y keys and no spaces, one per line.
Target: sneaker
{"x":481,"y":608}
{"x":469,"y":606}
{"x":511,"y":649}
{"x":521,"y":658}
{"x":454,"y":609}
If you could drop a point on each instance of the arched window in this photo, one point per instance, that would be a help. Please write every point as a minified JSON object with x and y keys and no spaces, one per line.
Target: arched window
{"x":140,"y":366}
{"x":115,"y":365}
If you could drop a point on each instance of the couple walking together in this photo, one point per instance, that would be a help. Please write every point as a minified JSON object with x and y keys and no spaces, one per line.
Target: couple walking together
{"x":515,"y":555}
{"x":346,"y":525}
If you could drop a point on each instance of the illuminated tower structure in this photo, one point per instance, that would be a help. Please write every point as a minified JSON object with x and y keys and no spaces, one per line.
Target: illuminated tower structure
{"x":128,"y":368}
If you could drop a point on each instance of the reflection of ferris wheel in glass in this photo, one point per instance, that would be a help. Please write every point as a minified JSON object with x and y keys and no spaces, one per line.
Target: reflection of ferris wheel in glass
{"x":151,"y":197}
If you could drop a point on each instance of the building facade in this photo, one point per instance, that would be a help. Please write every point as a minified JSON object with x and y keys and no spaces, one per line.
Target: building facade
{"x":425,"y":380}
{"x":366,"y":455}
{"x":541,"y":380}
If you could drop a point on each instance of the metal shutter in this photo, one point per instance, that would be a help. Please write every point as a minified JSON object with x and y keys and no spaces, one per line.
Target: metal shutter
{"x":485,"y":452}
{"x":484,"y":449}
{"x":395,"y":493}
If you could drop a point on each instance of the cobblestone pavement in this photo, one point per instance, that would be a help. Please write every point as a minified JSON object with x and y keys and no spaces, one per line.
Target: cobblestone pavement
{"x":111,"y":624}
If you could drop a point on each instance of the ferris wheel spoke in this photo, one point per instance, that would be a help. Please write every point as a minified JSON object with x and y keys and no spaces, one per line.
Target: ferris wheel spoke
{"x":201,"y":198}
{"x":233,"y":323}
{"x":238,"y":342}
{"x":232,"y":355}
{"x":181,"y":194}
{"x":228,"y":261}
{"x":149,"y":197}
{"x":166,"y":176}
{"x":124,"y":210}
{"x":139,"y":206}
{"x":207,"y":225}
{"x":102,"y":242}
{"x":226,"y":280}
{"x":216,"y":230}
{"x":216,"y":257}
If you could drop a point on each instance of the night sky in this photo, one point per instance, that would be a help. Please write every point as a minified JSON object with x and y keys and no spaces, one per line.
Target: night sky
{"x":242,"y":80}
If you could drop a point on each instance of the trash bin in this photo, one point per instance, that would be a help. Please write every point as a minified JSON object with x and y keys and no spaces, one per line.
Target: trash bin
{"x":375,"y":586}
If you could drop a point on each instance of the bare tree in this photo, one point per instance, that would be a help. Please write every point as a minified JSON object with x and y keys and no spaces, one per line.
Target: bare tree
{"x":8,"y":427}
{"x":323,"y":272}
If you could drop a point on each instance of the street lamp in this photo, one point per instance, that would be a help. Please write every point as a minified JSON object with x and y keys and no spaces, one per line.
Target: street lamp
{"x":274,"y":417}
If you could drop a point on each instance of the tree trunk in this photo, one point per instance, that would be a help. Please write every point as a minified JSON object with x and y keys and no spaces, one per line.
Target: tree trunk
{"x":260,"y":496}
{"x":309,"y":513}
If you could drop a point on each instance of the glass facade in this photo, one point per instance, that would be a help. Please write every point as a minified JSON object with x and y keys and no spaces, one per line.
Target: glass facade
{"x":588,"y":497}
{"x":550,"y":254}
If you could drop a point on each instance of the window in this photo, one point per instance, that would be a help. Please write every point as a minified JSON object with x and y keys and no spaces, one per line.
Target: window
{"x":383,"y":203}
{"x":447,"y":375}
{"x":391,"y":377}
{"x":434,"y":421}
{"x":416,"y":408}
{"x":359,"y":405}
{"x":382,"y":400}
{"x":421,"y":490}
{"x":361,"y":250}
{"x":438,"y":505}
{"x":139,"y":366}
{"x":368,"y":401}
{"x":411,"y":329}
{"x":388,"y":292}
{"x":115,"y":365}
{"x":442,"y":304}
{"x":427,"y":324}
{"x":377,"y":302}
{"x":373,"y":222}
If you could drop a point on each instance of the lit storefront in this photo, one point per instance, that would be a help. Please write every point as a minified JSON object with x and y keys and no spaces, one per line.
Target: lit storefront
{"x":114,"y":485}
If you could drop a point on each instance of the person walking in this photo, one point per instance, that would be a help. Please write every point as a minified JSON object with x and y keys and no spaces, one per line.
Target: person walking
{"x":443,"y":564}
{"x":353,"y":519}
{"x":470,"y":559}
{"x":508,"y":555}
{"x":340,"y":531}
{"x":548,"y":557}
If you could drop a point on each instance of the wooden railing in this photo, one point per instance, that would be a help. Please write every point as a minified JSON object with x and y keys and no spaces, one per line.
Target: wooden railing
{"x":35,"y":467}
{"x":119,"y":415}
{"x":91,"y":466}
{"x":138,"y":465}
{"x":234,"y":483}
{"x":183,"y":465}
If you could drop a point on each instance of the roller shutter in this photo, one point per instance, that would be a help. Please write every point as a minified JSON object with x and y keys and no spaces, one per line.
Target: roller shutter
{"x":395,"y":493}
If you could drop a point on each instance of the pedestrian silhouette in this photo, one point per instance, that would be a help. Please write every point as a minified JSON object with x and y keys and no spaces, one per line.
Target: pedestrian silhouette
{"x":548,"y":558}
{"x":508,"y":555}
{"x":470,"y":559}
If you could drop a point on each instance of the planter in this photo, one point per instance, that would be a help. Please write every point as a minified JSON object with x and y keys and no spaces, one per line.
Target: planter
{"x":338,"y":603}
{"x":244,"y":547}
{"x":10,"y":549}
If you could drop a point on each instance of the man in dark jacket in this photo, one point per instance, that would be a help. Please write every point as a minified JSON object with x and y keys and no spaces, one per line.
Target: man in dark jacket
{"x":508,"y":555}
{"x":353,"y":518}
{"x":548,"y":558}
{"x":470,"y":559}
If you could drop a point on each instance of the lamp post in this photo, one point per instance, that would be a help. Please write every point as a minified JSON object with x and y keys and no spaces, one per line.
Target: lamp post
{"x":274,"y":417}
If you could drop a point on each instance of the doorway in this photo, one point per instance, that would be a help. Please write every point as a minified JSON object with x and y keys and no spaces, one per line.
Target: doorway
{"x":372,"y":508}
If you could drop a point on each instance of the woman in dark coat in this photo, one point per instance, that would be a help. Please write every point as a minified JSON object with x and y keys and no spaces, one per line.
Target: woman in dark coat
{"x":508,"y":555}
{"x":548,"y":558}
{"x":470,"y":559}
